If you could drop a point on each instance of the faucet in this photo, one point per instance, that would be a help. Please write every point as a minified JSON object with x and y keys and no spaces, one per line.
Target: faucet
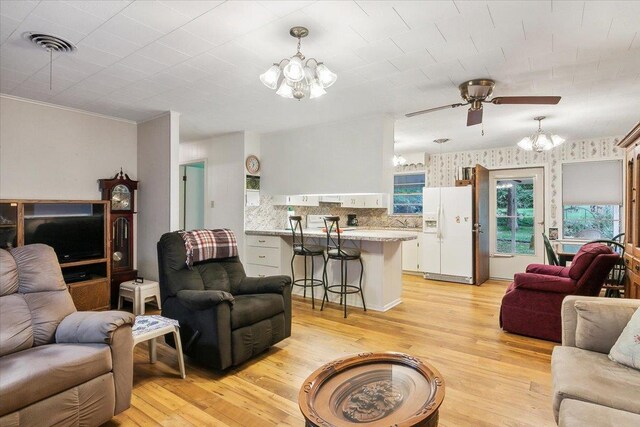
{"x":404,"y":222}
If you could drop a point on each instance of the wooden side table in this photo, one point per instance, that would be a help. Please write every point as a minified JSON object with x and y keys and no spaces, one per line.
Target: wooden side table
{"x":139,"y":294}
{"x":148,"y":328}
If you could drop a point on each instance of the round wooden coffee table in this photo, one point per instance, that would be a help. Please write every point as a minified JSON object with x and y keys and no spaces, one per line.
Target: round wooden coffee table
{"x":373,"y":389}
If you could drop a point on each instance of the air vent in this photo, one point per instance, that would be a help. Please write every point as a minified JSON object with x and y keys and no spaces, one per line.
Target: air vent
{"x":51,"y":43}
{"x":441,"y":140}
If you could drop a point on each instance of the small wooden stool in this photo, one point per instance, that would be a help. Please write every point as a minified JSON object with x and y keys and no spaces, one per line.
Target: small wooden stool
{"x":148,"y":328}
{"x":139,"y":294}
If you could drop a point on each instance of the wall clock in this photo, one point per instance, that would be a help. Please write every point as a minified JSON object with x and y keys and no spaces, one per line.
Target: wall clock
{"x":120,"y":191}
{"x":253,"y":164}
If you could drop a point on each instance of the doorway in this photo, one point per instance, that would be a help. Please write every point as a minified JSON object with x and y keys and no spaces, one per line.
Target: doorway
{"x":192,"y":195}
{"x":516,"y":201}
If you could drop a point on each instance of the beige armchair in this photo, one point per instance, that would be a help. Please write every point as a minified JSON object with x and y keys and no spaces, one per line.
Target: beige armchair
{"x":57,"y":366}
{"x":588,"y":388}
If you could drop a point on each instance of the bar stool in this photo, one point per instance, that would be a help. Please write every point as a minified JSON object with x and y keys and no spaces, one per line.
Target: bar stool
{"x":335,"y":251}
{"x":312,"y":251}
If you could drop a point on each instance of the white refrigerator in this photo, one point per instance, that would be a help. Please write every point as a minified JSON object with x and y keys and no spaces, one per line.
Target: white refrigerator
{"x":447,"y":246}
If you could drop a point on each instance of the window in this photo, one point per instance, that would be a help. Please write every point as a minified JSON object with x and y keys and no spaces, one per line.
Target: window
{"x":591,"y":221}
{"x":515,"y":216}
{"x":407,"y":193}
{"x":591,"y":199}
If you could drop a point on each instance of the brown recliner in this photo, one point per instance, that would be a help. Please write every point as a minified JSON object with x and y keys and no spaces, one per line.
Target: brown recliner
{"x":57,"y":366}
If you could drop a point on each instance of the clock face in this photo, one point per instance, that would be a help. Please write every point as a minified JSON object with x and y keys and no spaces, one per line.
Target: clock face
{"x":120,"y":198}
{"x":253,"y":164}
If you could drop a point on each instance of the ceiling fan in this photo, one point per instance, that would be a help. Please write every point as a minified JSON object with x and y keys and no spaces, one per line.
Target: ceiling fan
{"x":476,"y":92}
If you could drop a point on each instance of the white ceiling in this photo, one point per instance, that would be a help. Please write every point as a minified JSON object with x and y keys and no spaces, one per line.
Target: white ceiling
{"x":202,"y":58}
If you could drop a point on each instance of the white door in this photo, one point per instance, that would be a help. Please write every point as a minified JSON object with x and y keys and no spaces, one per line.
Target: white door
{"x":456,"y":218}
{"x":516,"y":201}
{"x":192,"y":196}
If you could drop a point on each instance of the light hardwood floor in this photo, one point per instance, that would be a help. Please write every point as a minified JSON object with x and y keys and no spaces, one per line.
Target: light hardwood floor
{"x":492,"y":378}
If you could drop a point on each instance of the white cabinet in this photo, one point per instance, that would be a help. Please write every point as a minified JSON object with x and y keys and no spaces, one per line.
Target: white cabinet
{"x":376,"y":201}
{"x":252,"y":198}
{"x":303,"y":200}
{"x":296,"y":200}
{"x":263,"y":256}
{"x":349,"y":201}
{"x":345,"y":200}
{"x":365,"y":201}
{"x":411,"y":254}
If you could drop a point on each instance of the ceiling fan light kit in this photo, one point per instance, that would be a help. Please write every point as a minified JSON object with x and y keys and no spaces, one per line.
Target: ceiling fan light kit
{"x":540,"y":141}
{"x":296,"y":78}
{"x":476,"y":92}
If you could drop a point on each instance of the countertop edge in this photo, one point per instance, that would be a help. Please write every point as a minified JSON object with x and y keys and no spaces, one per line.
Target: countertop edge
{"x":384,"y":236}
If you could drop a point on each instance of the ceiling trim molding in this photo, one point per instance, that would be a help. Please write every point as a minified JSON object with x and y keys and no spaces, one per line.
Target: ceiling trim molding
{"x":62,"y":107}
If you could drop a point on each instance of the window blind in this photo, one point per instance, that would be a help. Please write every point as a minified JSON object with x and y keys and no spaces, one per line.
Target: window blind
{"x":592,"y":183}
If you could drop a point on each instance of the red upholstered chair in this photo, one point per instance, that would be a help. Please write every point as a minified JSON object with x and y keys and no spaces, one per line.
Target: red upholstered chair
{"x":532,"y":303}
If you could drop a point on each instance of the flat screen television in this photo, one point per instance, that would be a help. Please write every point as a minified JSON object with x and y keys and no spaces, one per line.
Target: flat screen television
{"x":74,"y":231}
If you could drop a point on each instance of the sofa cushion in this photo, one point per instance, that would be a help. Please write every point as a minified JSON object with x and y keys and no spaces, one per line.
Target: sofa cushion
{"x":575,"y":413}
{"x":589,"y":376}
{"x":39,"y":372}
{"x":38,"y":269}
{"x":585,"y":256}
{"x":250,"y":309}
{"x":16,"y":331}
{"x":626,"y":350}
{"x":8,"y":274}
{"x":598,"y":326}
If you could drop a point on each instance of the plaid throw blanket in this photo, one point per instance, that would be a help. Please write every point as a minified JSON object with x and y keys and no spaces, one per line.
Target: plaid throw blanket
{"x":209,"y":244}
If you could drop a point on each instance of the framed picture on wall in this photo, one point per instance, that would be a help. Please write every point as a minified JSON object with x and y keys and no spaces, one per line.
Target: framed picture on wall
{"x":553,"y":234}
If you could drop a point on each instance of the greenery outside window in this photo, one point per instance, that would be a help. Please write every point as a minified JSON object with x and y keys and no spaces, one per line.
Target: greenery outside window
{"x":515,"y":217}
{"x":407,"y":193}
{"x":586,"y":221}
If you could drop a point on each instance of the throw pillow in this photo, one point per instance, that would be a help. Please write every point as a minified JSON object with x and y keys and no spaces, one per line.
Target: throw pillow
{"x":599,"y":324}
{"x":626,"y":350}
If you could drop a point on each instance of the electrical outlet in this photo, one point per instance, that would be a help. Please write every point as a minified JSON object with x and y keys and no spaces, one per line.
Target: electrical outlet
{"x":212,"y":204}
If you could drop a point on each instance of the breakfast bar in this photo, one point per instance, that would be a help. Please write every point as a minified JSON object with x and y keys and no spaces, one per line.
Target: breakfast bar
{"x":269,"y":251}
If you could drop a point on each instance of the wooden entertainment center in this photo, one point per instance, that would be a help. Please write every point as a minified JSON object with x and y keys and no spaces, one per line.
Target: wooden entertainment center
{"x":88,"y":273}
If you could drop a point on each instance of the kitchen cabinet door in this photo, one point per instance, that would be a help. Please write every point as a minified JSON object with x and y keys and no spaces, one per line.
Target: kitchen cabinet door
{"x":375,"y":201}
{"x":411,"y":255}
{"x":303,"y":200}
{"x":349,"y":201}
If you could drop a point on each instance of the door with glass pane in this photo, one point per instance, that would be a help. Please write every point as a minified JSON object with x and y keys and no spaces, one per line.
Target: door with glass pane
{"x":517,"y":220}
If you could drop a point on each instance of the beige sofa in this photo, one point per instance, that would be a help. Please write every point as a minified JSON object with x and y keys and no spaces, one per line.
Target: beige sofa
{"x":57,"y":366}
{"x":588,"y":388}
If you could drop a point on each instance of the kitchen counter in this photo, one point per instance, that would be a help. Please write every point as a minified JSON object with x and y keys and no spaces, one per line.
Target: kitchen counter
{"x":269,"y":252}
{"x":364,"y":234}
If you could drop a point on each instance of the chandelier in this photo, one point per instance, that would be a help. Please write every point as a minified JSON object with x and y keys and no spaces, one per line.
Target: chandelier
{"x":296,"y":78}
{"x":540,"y":141}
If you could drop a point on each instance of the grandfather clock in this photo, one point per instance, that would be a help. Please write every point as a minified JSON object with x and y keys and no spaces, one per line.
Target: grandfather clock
{"x":120,"y":190}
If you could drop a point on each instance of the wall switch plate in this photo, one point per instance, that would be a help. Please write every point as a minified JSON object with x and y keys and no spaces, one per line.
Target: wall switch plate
{"x":212,"y":205}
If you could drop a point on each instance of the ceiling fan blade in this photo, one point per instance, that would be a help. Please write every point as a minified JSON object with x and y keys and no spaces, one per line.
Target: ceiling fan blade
{"x":474,"y":117}
{"x":431,"y":110}
{"x":525,"y":100}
